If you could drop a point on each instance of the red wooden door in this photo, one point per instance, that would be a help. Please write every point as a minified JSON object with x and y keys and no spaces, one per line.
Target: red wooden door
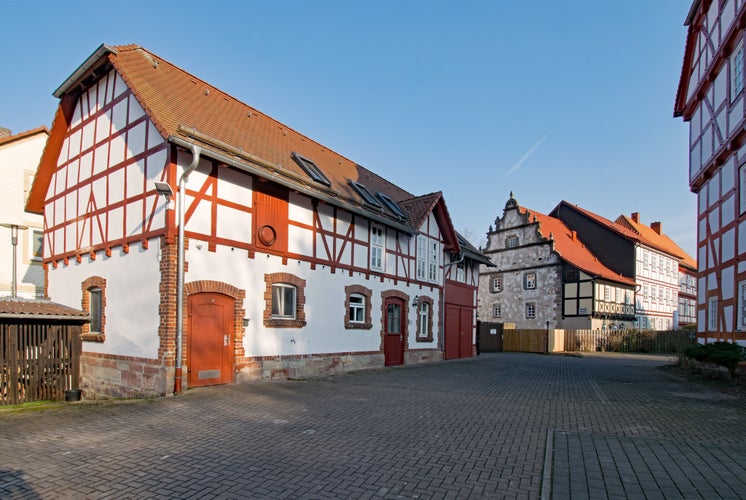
{"x":210,"y":339}
{"x":270,"y":217}
{"x":393,"y":342}
{"x":466,"y":340}
{"x":452,"y":337}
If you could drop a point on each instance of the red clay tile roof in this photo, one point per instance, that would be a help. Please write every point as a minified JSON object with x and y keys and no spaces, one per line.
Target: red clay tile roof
{"x":38,"y":309}
{"x":659,"y":241}
{"x":571,"y":249}
{"x":418,"y":208}
{"x":23,"y":135}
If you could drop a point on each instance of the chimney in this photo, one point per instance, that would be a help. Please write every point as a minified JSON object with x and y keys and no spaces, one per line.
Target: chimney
{"x":4,"y":132}
{"x":636,"y":217}
{"x":656,"y":226}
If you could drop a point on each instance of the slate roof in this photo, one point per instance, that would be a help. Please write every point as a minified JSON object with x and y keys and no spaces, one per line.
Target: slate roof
{"x":19,"y":308}
{"x":571,"y":249}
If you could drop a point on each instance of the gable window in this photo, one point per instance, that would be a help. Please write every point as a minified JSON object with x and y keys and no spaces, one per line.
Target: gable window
{"x":425,"y":319}
{"x":736,"y":72}
{"x":742,"y":305}
{"x":284,"y":298}
{"x":309,"y":167}
{"x":512,"y":242}
{"x":496,"y":283}
{"x":529,"y":281}
{"x":712,"y":314}
{"x":421,"y":257}
{"x":376,"y":248}
{"x":433,"y":261}
{"x":94,"y":303}
{"x":497,"y":311}
{"x":530,"y":310}
{"x":357,"y":308}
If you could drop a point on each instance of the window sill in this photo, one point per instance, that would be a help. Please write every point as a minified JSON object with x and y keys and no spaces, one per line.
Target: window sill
{"x":358,"y":326}
{"x":424,"y":339}
{"x":284,"y":323}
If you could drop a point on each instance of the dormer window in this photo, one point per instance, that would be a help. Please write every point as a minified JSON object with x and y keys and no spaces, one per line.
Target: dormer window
{"x":309,"y":167}
{"x":392,"y":206}
{"x":366,"y":195}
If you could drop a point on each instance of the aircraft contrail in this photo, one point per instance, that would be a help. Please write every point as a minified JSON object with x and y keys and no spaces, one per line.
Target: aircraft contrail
{"x":517,"y":164}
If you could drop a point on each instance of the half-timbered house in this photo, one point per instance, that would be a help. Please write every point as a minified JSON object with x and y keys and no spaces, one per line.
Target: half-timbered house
{"x":543,"y":275}
{"x":711,"y":99}
{"x":211,"y":243}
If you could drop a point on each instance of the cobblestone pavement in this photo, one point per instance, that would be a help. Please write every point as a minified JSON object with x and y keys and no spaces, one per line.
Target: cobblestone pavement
{"x":498,"y":426}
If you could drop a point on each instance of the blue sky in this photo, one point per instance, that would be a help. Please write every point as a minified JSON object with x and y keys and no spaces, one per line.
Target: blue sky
{"x":550,"y":100}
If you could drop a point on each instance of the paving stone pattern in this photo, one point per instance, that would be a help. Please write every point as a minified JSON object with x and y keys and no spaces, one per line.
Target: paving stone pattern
{"x":498,"y":426}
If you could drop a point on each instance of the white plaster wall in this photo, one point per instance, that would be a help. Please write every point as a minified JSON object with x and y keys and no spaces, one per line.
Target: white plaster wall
{"x":132,"y":297}
{"x":324,"y":309}
{"x":18,"y":163}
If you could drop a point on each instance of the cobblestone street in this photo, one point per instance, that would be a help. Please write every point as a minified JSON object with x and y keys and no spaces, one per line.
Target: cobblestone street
{"x":497,"y":426}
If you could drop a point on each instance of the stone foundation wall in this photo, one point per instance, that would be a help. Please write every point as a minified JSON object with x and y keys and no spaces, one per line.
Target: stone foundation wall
{"x":108,"y":376}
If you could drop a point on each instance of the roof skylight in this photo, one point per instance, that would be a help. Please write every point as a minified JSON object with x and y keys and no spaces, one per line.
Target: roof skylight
{"x":392,"y":206}
{"x":365,"y":194}
{"x":309,"y":167}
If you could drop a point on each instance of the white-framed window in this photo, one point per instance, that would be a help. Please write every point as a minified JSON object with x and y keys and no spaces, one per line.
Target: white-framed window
{"x":35,"y":244}
{"x":741,"y":305}
{"x":421,"y":257}
{"x":357,"y":308}
{"x":376,"y":248}
{"x":496,"y":283}
{"x":424,"y":319}
{"x":461,"y":272}
{"x":512,"y":241}
{"x":497,"y":311}
{"x":607,"y":293}
{"x":283,"y":301}
{"x":712,"y":314}
{"x":433,"y":261}
{"x":742,"y":187}
{"x":736,"y":72}
{"x":529,"y":281}
{"x":530,"y":310}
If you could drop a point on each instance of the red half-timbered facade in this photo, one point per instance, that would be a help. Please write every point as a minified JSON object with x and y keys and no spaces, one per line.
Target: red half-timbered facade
{"x":711,"y":99}
{"x":297,"y":261}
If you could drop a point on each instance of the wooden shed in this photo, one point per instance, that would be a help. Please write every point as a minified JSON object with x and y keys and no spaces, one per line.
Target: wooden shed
{"x":40,"y":350}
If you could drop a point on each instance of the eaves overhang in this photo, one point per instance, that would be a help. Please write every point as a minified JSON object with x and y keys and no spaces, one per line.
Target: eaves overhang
{"x":247,"y":162}
{"x":85,"y":69}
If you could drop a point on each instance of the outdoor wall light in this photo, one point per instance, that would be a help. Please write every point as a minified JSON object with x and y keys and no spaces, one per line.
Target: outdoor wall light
{"x":416,"y":301}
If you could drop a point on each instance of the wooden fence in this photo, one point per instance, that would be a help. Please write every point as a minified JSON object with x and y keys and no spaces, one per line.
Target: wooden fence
{"x":38,"y":360}
{"x":644,"y":341}
{"x":524,"y":340}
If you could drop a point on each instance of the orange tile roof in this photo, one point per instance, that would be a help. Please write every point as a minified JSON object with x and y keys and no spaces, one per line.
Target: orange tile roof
{"x":571,"y":249}
{"x":23,"y":135}
{"x":658,"y":241}
{"x":39,"y":309}
{"x":418,"y":208}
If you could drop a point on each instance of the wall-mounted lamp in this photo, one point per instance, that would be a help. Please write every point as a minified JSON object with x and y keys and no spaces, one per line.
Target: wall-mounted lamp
{"x":416,"y":301}
{"x":164,"y":189}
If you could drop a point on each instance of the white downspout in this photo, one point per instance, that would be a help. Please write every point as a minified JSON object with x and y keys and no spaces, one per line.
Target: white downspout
{"x":196,"y":151}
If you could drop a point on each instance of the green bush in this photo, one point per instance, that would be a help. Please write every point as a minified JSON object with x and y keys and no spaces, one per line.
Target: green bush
{"x":726,"y":354}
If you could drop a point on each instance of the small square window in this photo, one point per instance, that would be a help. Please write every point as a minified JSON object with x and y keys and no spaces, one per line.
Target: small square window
{"x":497,"y":311}
{"x":512,"y":241}
{"x":283,"y":301}
{"x":530,"y":310}
{"x":357,"y":308}
{"x":36,"y":243}
{"x":529,"y":281}
{"x":496,"y":283}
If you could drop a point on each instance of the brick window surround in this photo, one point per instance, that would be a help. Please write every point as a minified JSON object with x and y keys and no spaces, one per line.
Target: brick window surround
{"x":367,"y":324}
{"x":86,"y":286}
{"x":429,"y":302}
{"x":300,"y":301}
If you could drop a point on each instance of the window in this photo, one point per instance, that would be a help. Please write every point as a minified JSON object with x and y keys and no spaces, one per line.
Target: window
{"x":36,"y":241}
{"x":742,"y":305}
{"x":366,"y":195}
{"x":571,"y":274}
{"x":392,"y":206}
{"x":376,"y":248}
{"x":530,"y":310}
{"x":607,"y":293}
{"x":497,"y":311}
{"x":313,"y":170}
{"x":529,"y":281}
{"x":736,"y":72}
{"x":421,"y":257}
{"x":742,"y":185}
{"x":496,"y":283}
{"x":433,"y":261}
{"x":94,"y":303}
{"x":357,"y":308}
{"x":712,"y":314}
{"x":461,"y":272}
{"x":512,"y":241}
{"x":425,"y":319}
{"x":283,"y":301}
